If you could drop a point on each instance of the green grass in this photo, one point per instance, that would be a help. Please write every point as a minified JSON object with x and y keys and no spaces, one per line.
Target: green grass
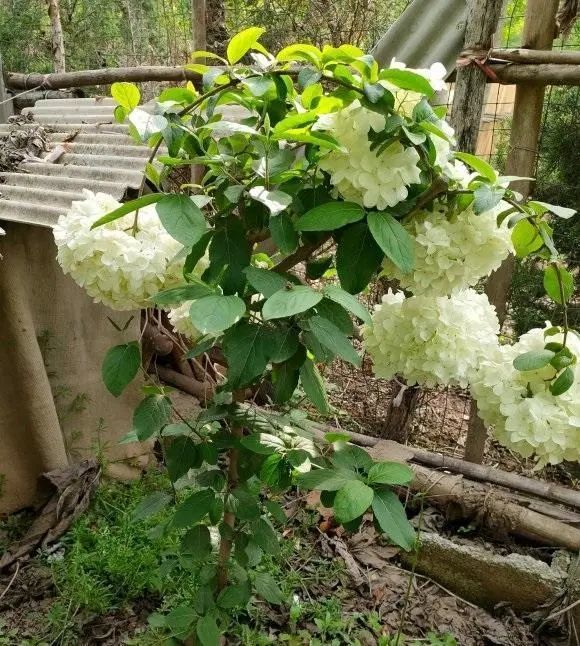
{"x":111,"y":562}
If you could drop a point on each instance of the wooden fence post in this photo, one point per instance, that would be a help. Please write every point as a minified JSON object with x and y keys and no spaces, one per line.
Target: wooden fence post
{"x":539,"y":33}
{"x":469,"y":92}
{"x":468,"y":101}
{"x":198,"y":25}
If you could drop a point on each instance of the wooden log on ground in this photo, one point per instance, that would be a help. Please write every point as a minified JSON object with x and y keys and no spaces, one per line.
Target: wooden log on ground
{"x":202,"y":391}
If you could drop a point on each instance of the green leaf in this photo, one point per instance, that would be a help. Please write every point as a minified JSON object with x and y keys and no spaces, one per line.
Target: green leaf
{"x":208,"y":632}
{"x":151,"y":415}
{"x":229,"y":250}
{"x":393,"y":473}
{"x":352,"y":457}
{"x":478,"y":165}
{"x":193,"y":509}
{"x":336,"y":314}
{"x":330,"y":336}
{"x":245,"y":505}
{"x":317,"y":267}
{"x":180,"y":619}
{"x":561,"y":211}
{"x":534,"y":360}
{"x":234,"y":596}
{"x":552,"y":283}
{"x":274,"y":201}
{"x":264,"y":281}
{"x":276,"y":472}
{"x":175,"y":295}
{"x":284,"y":380}
{"x":267,"y":588}
{"x":196,"y":543}
{"x":486,"y":197}
{"x":352,"y":500}
{"x":181,"y":218}
{"x":120,"y":366}
{"x":326,"y":479}
{"x":180,"y":456}
{"x":128,"y":207}
{"x":330,"y":216}
{"x":241,"y":43}
{"x":213,"y":314}
{"x":526,"y":239}
{"x":177,"y":94}
{"x":393,"y":239}
{"x":308,"y":76}
{"x":407,"y":80}
{"x":247,"y":348}
{"x":391,"y":518}
{"x":373,"y":92}
{"x":265,"y":537}
{"x":283,"y":233}
{"x":288,"y":302}
{"x":151,"y":505}
{"x":314,"y":386}
{"x":293,"y":121}
{"x":358,"y":257}
{"x":253,"y":443}
{"x":259,"y":85}
{"x":196,"y":254}
{"x":348,"y":301}
{"x":284,"y":342}
{"x":300,"y":52}
{"x":563,"y":382}
{"x":276,"y":511}
{"x":126,"y":95}
{"x":147,"y":124}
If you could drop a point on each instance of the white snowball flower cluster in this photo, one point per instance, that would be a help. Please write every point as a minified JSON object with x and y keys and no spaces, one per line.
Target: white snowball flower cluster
{"x":431,"y":340}
{"x":543,"y":425}
{"x":181,"y":321}
{"x":114,"y":267}
{"x":453,"y":253}
{"x":357,"y":172}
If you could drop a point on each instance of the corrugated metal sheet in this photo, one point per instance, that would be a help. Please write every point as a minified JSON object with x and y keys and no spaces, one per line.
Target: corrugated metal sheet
{"x":428,"y":31}
{"x":99,"y":156}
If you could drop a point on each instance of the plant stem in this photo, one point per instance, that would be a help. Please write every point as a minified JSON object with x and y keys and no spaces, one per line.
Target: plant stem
{"x":564,"y":304}
{"x":229,"y":516}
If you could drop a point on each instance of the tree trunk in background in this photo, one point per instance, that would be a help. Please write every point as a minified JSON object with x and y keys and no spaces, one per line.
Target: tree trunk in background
{"x":216,"y":32}
{"x":401,"y":408}
{"x":469,"y":94}
{"x":539,"y":33}
{"x":58,"y":56}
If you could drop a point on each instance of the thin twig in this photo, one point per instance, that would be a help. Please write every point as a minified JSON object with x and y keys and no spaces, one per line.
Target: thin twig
{"x":11,"y":580}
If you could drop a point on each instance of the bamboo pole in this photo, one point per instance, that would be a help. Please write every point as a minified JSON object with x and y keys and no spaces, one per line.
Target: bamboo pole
{"x":469,"y":92}
{"x":539,"y":33}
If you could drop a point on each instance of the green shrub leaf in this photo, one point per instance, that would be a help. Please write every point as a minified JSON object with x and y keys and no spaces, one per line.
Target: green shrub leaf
{"x":330,"y":216}
{"x":393,"y":239}
{"x":120,"y":366}
{"x":352,"y":500}
{"x":391,"y":518}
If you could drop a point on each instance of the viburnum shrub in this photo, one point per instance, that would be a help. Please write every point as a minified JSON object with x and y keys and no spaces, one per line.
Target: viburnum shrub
{"x":348,"y":171}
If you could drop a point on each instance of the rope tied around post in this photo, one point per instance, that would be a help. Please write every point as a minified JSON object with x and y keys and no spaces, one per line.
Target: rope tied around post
{"x":479,"y":58}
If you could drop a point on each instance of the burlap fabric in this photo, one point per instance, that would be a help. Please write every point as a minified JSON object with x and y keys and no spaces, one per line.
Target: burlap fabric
{"x":53,"y":406}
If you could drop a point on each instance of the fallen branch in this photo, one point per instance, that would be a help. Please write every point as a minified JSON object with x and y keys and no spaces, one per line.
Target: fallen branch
{"x":546,"y":490}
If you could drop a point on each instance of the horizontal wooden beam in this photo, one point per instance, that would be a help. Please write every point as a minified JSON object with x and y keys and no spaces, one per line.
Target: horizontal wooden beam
{"x":508,"y":73}
{"x":558,"y":56}
{"x":102,"y":76}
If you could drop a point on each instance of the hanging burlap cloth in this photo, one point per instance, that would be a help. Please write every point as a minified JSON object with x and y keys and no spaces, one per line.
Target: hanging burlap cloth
{"x":53,"y":406}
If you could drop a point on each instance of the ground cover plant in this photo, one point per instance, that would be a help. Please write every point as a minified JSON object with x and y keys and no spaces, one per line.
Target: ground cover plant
{"x":350,"y":173}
